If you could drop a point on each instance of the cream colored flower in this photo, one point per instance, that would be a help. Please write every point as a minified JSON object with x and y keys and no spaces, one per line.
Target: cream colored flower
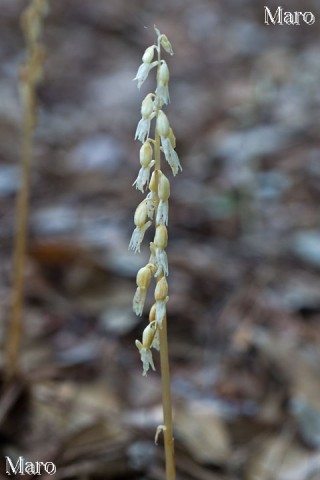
{"x":161,"y":298}
{"x":146,"y":358}
{"x":140,"y":221}
{"x":162,"y":90}
{"x":159,"y":245}
{"x":163,"y":207}
{"x":161,"y":262}
{"x":144,"y":347}
{"x":143,"y":72}
{"x":139,"y":300}
{"x":143,"y":177}
{"x":143,"y":282}
{"x":143,"y":127}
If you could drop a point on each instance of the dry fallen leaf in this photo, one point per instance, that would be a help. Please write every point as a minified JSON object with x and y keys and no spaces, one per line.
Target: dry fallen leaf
{"x":203,"y":433}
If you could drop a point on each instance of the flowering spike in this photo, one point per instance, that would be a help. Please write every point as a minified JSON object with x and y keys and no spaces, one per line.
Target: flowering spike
{"x":154,"y":209}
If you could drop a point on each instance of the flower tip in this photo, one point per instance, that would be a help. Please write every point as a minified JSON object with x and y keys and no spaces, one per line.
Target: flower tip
{"x":138,"y":345}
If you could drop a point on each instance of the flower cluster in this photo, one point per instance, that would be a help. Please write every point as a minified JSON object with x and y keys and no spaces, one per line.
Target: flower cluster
{"x":155,"y":207}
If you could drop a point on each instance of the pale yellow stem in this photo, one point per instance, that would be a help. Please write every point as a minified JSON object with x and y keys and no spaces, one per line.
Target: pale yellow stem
{"x":166,"y":403}
{"x":164,"y":362}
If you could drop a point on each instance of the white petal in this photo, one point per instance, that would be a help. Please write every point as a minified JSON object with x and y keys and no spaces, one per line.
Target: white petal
{"x":162,"y":213}
{"x":151,"y":204}
{"x":171,"y":155}
{"x":147,"y":360}
{"x":161,"y":262}
{"x":137,"y":237}
{"x":162,"y":92}
{"x":160,"y":312}
{"x":143,"y":128}
{"x":142,"y":178}
{"x":138,"y":301}
{"x":143,"y":72}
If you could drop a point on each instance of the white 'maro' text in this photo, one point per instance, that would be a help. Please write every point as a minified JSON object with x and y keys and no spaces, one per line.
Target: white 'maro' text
{"x":280,"y":17}
{"x":29,"y":468}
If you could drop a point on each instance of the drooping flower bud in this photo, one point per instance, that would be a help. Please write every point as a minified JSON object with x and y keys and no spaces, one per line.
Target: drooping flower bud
{"x":163,"y":187}
{"x":146,"y":154}
{"x":140,"y":215}
{"x":152,"y":267}
{"x":161,"y":297}
{"x":162,"y":90}
{"x":140,"y":220}
{"x":148,"y":335}
{"x":161,"y":237}
{"x":166,"y":44}
{"x":162,"y":124}
{"x":154,"y":181}
{"x":152,"y":313}
{"x":144,"y":277}
{"x":163,"y":73}
{"x":147,"y":106}
{"x":163,"y":207}
{"x":147,"y":57}
{"x":161,"y":291}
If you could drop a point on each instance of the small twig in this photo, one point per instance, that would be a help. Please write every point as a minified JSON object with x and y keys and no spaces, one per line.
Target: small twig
{"x":31,"y":74}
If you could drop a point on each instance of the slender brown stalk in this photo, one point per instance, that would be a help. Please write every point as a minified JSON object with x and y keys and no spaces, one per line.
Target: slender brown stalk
{"x":19,"y":260}
{"x":31,"y":74}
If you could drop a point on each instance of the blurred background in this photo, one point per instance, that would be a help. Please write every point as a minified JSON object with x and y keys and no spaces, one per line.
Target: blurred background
{"x":244,"y":243}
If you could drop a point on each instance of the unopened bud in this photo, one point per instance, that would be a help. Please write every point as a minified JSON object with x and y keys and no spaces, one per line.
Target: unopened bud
{"x":146,"y":154}
{"x":144,"y":277}
{"x":162,"y":125}
{"x":166,"y":44}
{"x":148,"y":54}
{"x":140,"y":215}
{"x":147,"y":106}
{"x":152,"y":313}
{"x":148,"y":335}
{"x":163,"y":187}
{"x":161,"y":291}
{"x":161,"y":237}
{"x":153,"y":184}
{"x":152,"y":267}
{"x":163,"y":73}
